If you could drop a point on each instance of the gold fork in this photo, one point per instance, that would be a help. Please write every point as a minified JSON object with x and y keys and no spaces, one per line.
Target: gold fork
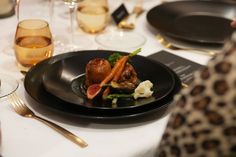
{"x":168,"y":45}
{"x":20,"y":108}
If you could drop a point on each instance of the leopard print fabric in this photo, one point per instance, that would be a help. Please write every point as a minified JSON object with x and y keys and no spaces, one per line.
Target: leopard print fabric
{"x":203,"y":121}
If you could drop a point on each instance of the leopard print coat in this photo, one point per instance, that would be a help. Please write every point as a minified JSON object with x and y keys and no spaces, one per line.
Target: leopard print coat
{"x":203,"y":121}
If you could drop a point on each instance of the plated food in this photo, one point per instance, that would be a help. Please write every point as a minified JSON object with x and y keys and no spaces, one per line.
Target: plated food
{"x":65,"y":80}
{"x":114,"y":78}
{"x":53,"y":84}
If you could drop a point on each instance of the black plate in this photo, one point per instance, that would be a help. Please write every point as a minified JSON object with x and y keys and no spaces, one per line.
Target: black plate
{"x":65,"y":79}
{"x":34,"y":87}
{"x":198,"y":21}
{"x":190,"y":44}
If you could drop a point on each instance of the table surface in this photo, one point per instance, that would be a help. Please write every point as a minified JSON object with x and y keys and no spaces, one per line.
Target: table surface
{"x":28,"y":137}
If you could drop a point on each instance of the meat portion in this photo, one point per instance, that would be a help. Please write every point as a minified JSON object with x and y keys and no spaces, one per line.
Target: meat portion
{"x":128,"y":79}
{"x":96,"y":70}
{"x":129,"y":75}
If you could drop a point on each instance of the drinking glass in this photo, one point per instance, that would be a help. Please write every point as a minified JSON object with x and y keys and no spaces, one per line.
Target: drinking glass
{"x":8,"y":49}
{"x":76,"y":42}
{"x":33,"y":43}
{"x":58,"y":42}
{"x":93,"y":15}
{"x":51,"y":10}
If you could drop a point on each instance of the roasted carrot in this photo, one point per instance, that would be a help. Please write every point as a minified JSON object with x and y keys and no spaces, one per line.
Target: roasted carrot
{"x":114,"y":70}
{"x":121,"y":69}
{"x":116,"y":75}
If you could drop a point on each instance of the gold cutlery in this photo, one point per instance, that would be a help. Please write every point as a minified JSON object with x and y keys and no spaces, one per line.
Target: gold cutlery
{"x":184,"y":85}
{"x":20,"y":108}
{"x":137,"y":10}
{"x":168,"y":45}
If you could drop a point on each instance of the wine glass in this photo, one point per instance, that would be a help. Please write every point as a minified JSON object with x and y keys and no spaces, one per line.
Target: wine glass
{"x":33,"y":43}
{"x":93,"y":16}
{"x":51,"y":10}
{"x":118,"y":38}
{"x":76,"y":42}
{"x":8,"y":49}
{"x":58,"y":42}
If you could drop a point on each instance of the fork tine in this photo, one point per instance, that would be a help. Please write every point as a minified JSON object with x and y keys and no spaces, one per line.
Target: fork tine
{"x":24,"y":109}
{"x":17,"y":104}
{"x":13,"y":102}
{"x":20,"y":103}
{"x":10,"y":98}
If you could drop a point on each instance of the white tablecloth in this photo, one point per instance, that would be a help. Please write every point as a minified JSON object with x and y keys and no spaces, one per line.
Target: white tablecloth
{"x":24,"y":137}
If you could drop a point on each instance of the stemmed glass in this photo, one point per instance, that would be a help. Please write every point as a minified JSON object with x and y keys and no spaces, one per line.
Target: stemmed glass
{"x":51,"y":10}
{"x":7,"y":84}
{"x":59,"y":44}
{"x":17,"y":8}
{"x":76,"y":42}
{"x":8,"y":49}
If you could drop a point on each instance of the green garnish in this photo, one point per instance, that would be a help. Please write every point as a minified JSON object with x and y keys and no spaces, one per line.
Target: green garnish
{"x":135,"y":52}
{"x":115,"y":96}
{"x":116,"y":56}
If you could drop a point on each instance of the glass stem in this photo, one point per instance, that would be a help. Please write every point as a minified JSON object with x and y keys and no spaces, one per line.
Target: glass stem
{"x":17,"y":8}
{"x":72,"y":9}
{"x":51,"y":10}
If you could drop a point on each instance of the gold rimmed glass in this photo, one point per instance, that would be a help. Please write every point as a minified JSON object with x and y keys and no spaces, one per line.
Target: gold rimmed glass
{"x":33,"y":43}
{"x":93,"y":15}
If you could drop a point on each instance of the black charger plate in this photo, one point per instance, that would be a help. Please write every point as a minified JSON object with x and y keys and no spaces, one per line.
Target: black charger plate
{"x":65,"y":79}
{"x":34,"y":87}
{"x":197,"y":21}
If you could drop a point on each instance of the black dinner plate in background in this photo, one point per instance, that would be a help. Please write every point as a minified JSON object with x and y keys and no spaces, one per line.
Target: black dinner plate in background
{"x":34,"y":87}
{"x":197,"y":21}
{"x":65,"y":79}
